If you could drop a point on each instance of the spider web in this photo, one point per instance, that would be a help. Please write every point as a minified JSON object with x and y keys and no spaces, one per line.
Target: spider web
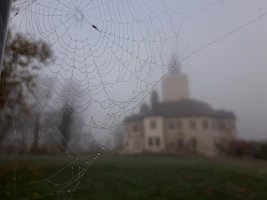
{"x":107,"y":56}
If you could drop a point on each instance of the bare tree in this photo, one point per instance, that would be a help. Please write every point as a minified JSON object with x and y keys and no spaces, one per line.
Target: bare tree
{"x":66,"y":124}
{"x":41,"y":96}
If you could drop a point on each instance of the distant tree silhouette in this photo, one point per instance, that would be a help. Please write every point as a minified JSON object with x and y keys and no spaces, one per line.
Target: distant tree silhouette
{"x":65,"y":126}
{"x":22,"y":56}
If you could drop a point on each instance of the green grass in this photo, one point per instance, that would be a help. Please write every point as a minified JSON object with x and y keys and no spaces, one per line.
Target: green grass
{"x":131,"y":178}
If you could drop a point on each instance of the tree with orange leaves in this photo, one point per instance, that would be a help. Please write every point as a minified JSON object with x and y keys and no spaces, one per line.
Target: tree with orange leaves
{"x":23,"y":58}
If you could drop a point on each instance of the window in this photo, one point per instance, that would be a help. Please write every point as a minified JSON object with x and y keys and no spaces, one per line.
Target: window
{"x":205,"y":124}
{"x":179,"y":125}
{"x":171,"y":125}
{"x":153,"y":124}
{"x":150,"y":141}
{"x":157,"y":141}
{"x":135,"y":128}
{"x":192,"y":124}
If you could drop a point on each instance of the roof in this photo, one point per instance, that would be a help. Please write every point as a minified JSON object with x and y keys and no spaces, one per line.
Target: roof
{"x":182,"y":108}
{"x":221,"y":114}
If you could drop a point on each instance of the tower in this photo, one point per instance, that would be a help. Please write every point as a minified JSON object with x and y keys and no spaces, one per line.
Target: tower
{"x":175,"y":83}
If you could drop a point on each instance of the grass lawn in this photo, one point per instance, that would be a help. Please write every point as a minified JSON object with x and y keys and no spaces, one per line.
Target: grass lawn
{"x":130,"y":178}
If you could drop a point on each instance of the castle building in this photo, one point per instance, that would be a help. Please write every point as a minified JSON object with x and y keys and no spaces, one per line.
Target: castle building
{"x":178,"y":123}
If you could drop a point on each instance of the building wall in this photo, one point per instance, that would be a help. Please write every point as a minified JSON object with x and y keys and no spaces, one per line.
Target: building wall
{"x":133,"y":137}
{"x":170,"y":136}
{"x":173,"y":134}
{"x":205,"y":137}
{"x":175,"y":87}
{"x":154,"y":133}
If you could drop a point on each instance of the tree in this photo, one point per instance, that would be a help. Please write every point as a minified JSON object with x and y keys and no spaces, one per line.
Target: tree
{"x":5,"y":7}
{"x":16,"y":81}
{"x":65,"y":124}
{"x":36,"y":131}
{"x":261,"y":152}
{"x":42,"y":96}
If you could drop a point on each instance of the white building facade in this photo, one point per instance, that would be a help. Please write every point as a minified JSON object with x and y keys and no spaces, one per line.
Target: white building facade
{"x":179,"y":124}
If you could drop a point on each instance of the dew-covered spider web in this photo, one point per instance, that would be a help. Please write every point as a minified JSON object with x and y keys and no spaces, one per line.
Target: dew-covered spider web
{"x":106,"y":56}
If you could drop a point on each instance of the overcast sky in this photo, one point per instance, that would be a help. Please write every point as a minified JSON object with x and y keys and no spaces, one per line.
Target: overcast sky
{"x":131,"y":48}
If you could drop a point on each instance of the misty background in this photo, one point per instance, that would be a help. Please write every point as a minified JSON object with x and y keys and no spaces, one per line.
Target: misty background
{"x":230,"y":73}
{"x":225,"y":58}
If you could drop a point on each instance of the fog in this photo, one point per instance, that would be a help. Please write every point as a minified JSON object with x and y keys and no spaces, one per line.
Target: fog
{"x":231,"y":73}
{"x":226,"y":60}
{"x":74,"y":70}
